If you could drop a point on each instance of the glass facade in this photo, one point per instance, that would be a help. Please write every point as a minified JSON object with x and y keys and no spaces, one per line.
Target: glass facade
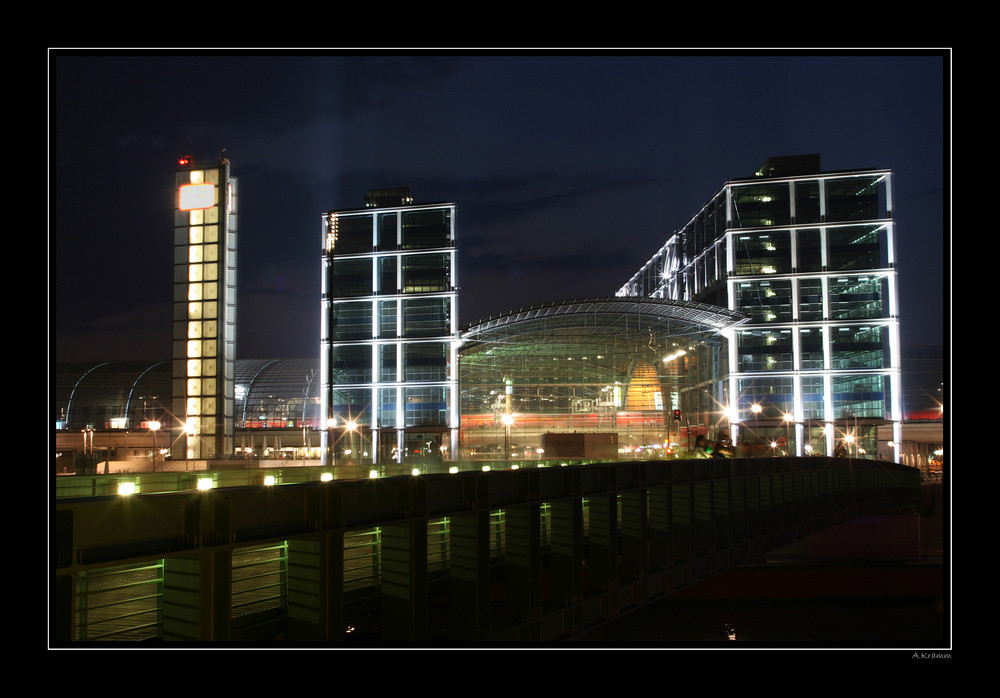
{"x":204,"y":317}
{"x":389,"y":331}
{"x":809,"y":257}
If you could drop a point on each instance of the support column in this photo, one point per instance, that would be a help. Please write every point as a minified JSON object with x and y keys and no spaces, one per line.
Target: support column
{"x":522,"y":582}
{"x":603,"y":553}
{"x":469,"y":568}
{"x":404,"y":581}
{"x":702,"y":499}
{"x":682,"y":522}
{"x":635,"y":535}
{"x":64,"y":597}
{"x":316,"y":588}
{"x":566,"y":517}
{"x":658,"y":504}
{"x":720,"y":513}
{"x":197,"y":596}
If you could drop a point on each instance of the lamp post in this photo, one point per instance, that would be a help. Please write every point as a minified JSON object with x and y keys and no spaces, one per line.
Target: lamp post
{"x":756,"y":409}
{"x":154,"y":427}
{"x":788,"y":430}
{"x":189,"y":430}
{"x":508,"y":420}
{"x":828,"y":433}
{"x":351,"y":426}
{"x":733,"y":417}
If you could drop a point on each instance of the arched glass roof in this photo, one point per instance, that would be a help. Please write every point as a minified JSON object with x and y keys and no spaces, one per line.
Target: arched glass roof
{"x":126,"y":395}
{"x":609,"y":316}
{"x":111,"y":395}
{"x":277,"y":393}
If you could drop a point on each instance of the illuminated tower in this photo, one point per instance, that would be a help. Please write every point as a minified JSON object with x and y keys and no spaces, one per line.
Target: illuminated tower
{"x":204,"y":319}
{"x":389,"y":332}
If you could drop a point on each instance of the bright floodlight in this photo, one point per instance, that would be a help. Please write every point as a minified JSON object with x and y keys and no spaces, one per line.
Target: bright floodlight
{"x":126,"y":488}
{"x":204,"y":483}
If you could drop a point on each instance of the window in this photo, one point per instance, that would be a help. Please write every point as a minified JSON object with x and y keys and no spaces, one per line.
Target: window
{"x":352,"y":320}
{"x":426,"y":273}
{"x":761,"y":205}
{"x":763,"y":253}
{"x":426,"y":229}
{"x":426,"y":361}
{"x":426,"y":317}
{"x":351,"y":277}
{"x":766,"y":301}
{"x":856,"y":247}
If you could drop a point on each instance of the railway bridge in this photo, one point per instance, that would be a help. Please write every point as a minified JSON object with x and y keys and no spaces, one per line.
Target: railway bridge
{"x":528,"y":554}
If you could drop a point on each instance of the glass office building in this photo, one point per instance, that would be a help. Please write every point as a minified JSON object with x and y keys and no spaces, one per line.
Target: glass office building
{"x":809,"y":256}
{"x":389,"y":331}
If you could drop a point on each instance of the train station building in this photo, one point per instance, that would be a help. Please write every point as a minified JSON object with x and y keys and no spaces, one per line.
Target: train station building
{"x":770,"y":317}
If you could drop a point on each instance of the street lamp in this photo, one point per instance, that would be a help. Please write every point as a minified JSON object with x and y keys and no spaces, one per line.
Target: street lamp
{"x":756,"y":409}
{"x":189,"y":430}
{"x":849,"y":438}
{"x":351,"y":426}
{"x":508,"y":420}
{"x":154,"y":427}
{"x":732,"y":415}
{"x":789,"y":418}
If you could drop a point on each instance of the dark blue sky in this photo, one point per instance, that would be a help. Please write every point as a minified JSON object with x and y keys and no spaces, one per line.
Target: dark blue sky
{"x":569,"y":171}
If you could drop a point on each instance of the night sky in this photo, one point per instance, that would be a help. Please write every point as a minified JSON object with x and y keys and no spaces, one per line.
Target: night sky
{"x":569,"y":171}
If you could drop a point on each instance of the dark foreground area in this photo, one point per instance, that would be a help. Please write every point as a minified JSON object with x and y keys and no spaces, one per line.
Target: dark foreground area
{"x":860,"y":623}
